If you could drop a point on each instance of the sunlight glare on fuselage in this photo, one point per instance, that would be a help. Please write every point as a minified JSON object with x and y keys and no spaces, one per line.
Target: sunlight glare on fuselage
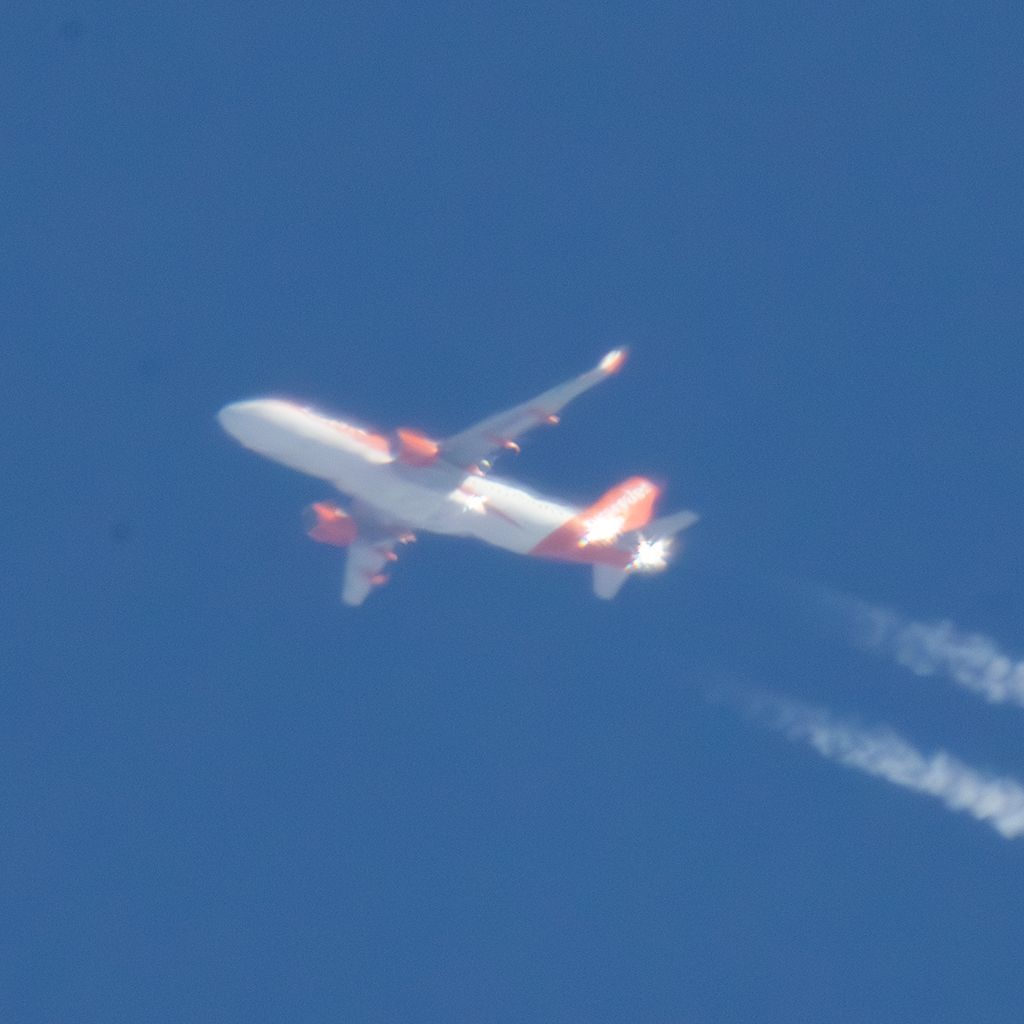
{"x":602,"y":529}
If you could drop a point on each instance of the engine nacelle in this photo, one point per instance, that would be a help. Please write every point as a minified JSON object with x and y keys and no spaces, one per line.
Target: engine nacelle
{"x":329,"y":524}
{"x":414,"y":448}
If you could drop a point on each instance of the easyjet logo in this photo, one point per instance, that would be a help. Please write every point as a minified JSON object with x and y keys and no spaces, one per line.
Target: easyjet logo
{"x":629,"y":497}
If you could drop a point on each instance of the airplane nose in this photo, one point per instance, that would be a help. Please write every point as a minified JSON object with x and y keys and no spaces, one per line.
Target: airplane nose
{"x":246,"y":421}
{"x":263,"y":424}
{"x":237,"y":416}
{"x":229,"y":416}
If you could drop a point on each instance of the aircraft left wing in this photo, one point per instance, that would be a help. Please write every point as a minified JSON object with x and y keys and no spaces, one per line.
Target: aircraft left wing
{"x":363,"y":568}
{"x":489,"y":438}
{"x":371,"y":551}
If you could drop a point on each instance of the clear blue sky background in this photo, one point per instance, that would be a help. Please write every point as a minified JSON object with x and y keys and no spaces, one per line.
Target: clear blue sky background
{"x":487,"y":796}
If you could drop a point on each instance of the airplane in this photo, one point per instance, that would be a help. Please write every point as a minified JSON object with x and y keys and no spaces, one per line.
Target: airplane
{"x":406,"y":482}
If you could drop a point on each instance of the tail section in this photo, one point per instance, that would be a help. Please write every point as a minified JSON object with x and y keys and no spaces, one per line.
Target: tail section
{"x":651,"y":551}
{"x":617,"y":536}
{"x":593,"y":535}
{"x":669,"y":526}
{"x":626,"y":507}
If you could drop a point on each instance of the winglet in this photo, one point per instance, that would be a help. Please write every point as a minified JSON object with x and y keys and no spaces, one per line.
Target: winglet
{"x":614,"y":361}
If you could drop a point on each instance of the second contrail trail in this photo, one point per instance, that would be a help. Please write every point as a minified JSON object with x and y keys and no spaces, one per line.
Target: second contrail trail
{"x":996,"y":800}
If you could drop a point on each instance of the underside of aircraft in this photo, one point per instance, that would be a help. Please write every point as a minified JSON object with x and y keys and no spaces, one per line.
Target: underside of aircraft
{"x":405,"y":483}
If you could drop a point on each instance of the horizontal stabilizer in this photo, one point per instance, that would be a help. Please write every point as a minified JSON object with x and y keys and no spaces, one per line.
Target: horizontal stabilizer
{"x":669,"y":526}
{"x":608,"y":580}
{"x":654,"y":546}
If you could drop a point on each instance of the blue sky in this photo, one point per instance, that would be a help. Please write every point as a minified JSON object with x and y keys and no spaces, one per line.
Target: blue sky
{"x":486,"y":795}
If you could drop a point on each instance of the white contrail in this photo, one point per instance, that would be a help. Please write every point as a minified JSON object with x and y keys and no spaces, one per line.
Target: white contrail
{"x":999,"y":801}
{"x":972,"y":661}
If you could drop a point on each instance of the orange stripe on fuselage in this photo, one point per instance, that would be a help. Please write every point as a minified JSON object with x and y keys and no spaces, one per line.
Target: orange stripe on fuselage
{"x":564,"y":546}
{"x":375,"y":441}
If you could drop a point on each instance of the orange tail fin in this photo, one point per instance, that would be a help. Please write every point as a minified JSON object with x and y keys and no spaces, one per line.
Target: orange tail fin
{"x":593,"y":535}
{"x":626,"y":507}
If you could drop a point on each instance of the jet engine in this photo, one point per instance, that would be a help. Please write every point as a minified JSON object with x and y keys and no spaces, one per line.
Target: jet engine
{"x":329,"y":524}
{"x":414,"y":448}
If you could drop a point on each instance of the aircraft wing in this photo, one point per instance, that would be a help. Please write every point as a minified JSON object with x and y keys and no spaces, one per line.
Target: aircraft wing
{"x":489,"y":438}
{"x":371,"y":551}
{"x":363,"y":568}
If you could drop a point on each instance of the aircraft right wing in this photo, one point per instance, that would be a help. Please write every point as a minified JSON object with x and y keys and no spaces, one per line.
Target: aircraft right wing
{"x":489,"y":438}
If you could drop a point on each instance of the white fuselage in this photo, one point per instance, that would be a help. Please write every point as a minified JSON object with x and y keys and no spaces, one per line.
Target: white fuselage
{"x":441,"y":498}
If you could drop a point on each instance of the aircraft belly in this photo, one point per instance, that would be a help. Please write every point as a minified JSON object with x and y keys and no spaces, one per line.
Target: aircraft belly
{"x":491,"y":529}
{"x":407,"y":501}
{"x":488,"y":510}
{"x":508,"y":516}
